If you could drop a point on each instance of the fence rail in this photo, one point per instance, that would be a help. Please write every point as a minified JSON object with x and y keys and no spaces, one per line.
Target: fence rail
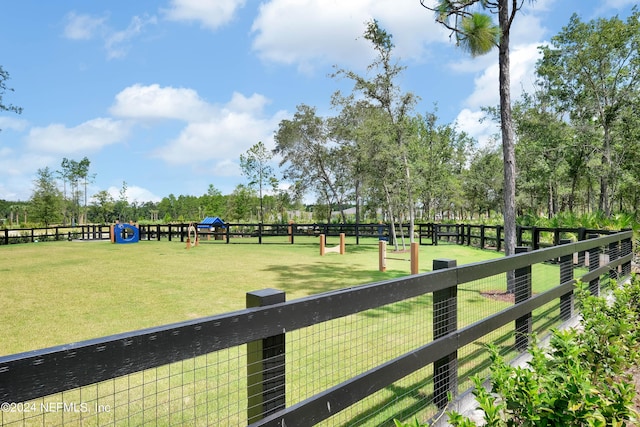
{"x":356,"y":356}
{"x":482,"y":236}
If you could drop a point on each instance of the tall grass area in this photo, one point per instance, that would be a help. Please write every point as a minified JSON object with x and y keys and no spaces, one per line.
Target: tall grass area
{"x":59,"y":292}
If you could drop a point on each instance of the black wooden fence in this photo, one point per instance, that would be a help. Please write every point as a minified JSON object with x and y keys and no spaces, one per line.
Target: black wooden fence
{"x":357,"y":356}
{"x":482,"y":236}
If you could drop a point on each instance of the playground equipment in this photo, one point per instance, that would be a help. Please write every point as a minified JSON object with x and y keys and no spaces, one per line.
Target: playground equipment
{"x":192,"y":231}
{"x":382,"y":256}
{"x":124,"y":233}
{"x":341,"y":249}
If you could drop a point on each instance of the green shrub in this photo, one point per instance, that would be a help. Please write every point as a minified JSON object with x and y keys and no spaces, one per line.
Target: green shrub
{"x":579,"y":380}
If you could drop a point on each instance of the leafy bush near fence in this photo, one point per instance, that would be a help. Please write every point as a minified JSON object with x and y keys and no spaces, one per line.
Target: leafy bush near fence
{"x":580,"y":379}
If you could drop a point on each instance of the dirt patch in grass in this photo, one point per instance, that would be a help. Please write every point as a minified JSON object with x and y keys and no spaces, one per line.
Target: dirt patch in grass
{"x":499,"y":296}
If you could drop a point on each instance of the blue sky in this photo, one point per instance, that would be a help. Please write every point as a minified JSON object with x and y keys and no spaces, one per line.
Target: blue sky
{"x":166,"y":95}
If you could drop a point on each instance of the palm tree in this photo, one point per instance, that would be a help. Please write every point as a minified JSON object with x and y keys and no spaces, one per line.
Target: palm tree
{"x":476,"y":33}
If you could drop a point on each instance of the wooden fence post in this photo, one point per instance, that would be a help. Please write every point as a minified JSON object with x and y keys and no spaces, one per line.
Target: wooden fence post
{"x":482,"y":238}
{"x":594,"y":264}
{"x":445,"y":321}
{"x":323,"y":242}
{"x":265,"y":364}
{"x":498,"y":238}
{"x":566,"y":274}
{"x":582,"y":235}
{"x":626,"y":247}
{"x":415,"y":264}
{"x":290,"y":231}
{"x":614,"y":254}
{"x":382,"y":255}
{"x":522,"y":291}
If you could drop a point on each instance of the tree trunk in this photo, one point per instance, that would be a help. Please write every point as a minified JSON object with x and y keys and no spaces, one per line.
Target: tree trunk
{"x":603,"y":202}
{"x":508,"y":140}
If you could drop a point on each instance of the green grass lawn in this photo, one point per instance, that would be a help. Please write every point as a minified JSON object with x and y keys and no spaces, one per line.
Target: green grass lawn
{"x":59,"y":292}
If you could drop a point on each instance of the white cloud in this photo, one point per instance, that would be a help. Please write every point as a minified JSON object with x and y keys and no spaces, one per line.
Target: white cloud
{"x":89,"y":136}
{"x":134,"y":194}
{"x":522,"y":73}
{"x":210,"y":13}
{"x":154,"y":102}
{"x":619,"y":4}
{"x":83,"y":27}
{"x":11,"y":123}
{"x":477,"y":126}
{"x":311,"y":32}
{"x":117,"y":43}
{"x":223,"y":136}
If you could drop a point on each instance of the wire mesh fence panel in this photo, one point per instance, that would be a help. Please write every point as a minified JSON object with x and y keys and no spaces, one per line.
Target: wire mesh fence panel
{"x":481,"y":298}
{"x":403,"y":400}
{"x":324,"y":355}
{"x":473,"y":359}
{"x":203,"y":391}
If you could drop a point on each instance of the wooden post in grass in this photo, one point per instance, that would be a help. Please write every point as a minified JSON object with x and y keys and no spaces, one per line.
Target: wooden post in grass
{"x":265,"y":364}
{"x":290,"y":231}
{"x":445,"y":321}
{"x":382,"y":255}
{"x":341,"y":248}
{"x":414,"y":258}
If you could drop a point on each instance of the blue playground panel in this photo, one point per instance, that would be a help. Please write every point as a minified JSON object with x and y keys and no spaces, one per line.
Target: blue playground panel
{"x":123,"y":235}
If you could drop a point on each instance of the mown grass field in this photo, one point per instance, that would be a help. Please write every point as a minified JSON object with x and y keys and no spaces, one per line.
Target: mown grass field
{"x":59,"y":292}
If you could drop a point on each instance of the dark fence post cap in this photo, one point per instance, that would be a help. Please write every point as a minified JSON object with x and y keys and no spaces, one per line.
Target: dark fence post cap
{"x":440,"y":263}
{"x":265,"y":297}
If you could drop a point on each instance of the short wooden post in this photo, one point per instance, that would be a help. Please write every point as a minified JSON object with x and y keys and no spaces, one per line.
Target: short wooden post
{"x":566,"y":274}
{"x":445,"y":321}
{"x":260,"y":233}
{"x":523,"y":293}
{"x":415,"y":248}
{"x":322,"y":243}
{"x":342,"y":244}
{"x":290,"y":232}
{"x":265,"y":364}
{"x":594,"y":264}
{"x":382,"y":255}
{"x":482,"y":238}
